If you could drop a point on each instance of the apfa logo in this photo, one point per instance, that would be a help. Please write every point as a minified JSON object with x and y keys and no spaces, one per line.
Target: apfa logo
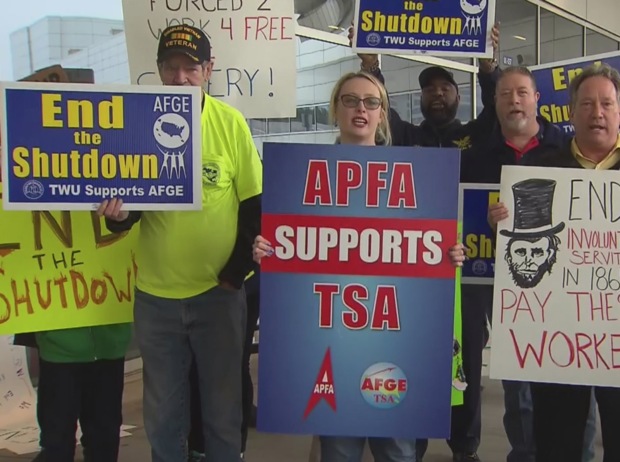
{"x":383,"y":385}
{"x":323,"y":387}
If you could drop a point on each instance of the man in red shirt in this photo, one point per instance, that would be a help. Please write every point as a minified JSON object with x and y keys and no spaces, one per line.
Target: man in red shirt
{"x":520,"y":131}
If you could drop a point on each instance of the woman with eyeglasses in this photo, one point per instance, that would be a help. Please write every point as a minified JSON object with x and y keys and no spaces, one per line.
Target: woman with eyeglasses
{"x":359,"y":106}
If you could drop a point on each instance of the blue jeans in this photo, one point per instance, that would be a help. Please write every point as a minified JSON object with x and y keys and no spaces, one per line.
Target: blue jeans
{"x":519,"y":427}
{"x":211,"y":327}
{"x":343,"y":449}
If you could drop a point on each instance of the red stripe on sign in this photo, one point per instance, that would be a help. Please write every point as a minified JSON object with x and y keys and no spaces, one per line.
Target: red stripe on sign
{"x":359,"y":246}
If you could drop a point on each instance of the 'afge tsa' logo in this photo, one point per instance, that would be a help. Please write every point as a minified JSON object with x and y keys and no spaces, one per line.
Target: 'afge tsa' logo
{"x":384,"y":385}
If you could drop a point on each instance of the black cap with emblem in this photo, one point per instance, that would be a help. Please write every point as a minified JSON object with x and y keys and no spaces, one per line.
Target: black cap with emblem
{"x":187,"y":40}
{"x":436,"y":72}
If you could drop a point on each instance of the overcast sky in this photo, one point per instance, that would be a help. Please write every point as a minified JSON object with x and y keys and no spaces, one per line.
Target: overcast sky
{"x":17,"y":14}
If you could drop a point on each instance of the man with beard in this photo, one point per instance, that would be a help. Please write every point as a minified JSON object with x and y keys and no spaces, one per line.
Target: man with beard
{"x":439,"y":104}
{"x":523,"y":138}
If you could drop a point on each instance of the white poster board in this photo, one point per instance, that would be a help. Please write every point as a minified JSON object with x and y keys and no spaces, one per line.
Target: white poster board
{"x":556,"y":307}
{"x":19,"y":430}
{"x":253,"y":49}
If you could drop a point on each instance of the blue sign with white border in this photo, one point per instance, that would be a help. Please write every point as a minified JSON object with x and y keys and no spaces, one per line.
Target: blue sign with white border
{"x":69,"y":147}
{"x":553,"y":82}
{"x":474,"y":202}
{"x":352,"y":344}
{"x":433,"y":27}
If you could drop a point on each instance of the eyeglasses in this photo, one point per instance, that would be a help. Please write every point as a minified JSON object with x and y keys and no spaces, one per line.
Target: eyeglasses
{"x":371,"y":103}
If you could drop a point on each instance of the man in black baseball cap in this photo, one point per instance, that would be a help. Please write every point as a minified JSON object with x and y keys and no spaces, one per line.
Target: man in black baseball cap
{"x":440,"y":95}
{"x":186,"y":313}
{"x":184,"y":56}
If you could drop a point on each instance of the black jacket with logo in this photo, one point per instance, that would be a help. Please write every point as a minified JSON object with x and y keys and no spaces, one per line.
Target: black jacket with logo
{"x":455,"y":134}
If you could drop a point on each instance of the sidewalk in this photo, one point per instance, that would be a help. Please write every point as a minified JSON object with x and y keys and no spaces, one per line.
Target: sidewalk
{"x":280,"y":448}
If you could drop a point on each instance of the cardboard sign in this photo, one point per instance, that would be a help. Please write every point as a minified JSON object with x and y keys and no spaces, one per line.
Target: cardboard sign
{"x":54,"y":74}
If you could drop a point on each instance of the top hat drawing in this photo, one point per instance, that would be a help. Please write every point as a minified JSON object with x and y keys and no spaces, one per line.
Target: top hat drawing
{"x":533,"y":200}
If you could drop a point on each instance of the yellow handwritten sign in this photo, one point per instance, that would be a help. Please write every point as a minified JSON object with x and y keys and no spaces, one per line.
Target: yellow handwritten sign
{"x":62,"y":270}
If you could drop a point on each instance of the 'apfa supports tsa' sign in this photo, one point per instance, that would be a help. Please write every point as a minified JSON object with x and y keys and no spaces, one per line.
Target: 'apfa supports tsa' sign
{"x":557,"y":279}
{"x":437,"y":27}
{"x":69,"y":147}
{"x":358,"y":297}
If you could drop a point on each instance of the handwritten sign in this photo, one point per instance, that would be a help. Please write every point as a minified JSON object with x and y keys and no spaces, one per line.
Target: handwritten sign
{"x":52,"y":74}
{"x":436,"y":27}
{"x":17,"y":397}
{"x":553,"y":81}
{"x":69,"y":146}
{"x":63,"y":269}
{"x":253,"y":49}
{"x":557,"y":278}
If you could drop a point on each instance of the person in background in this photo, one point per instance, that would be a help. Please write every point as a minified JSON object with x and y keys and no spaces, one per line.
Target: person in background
{"x":195,"y":441}
{"x":561,"y":411}
{"x":190,"y":300}
{"x":520,"y":131}
{"x":439,"y":105}
{"x":359,"y":107}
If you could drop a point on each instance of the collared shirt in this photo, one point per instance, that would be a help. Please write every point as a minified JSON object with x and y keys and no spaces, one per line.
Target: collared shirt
{"x":531,"y":144}
{"x":609,"y":161}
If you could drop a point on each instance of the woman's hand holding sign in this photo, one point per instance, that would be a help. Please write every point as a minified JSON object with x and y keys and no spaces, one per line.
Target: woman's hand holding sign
{"x":457,"y":255}
{"x":112,"y":210}
{"x":261,"y":248}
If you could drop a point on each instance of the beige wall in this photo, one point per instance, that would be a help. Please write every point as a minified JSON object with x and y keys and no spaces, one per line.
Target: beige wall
{"x":603,"y":13}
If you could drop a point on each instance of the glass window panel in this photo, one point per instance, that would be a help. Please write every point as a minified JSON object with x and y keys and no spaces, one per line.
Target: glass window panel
{"x":305,"y":120}
{"x":598,"y":43}
{"x":402,"y":105}
{"x":279,"y":125}
{"x":258,"y":127}
{"x":517,"y":45}
{"x":560,"y":39}
{"x":322,"y":118}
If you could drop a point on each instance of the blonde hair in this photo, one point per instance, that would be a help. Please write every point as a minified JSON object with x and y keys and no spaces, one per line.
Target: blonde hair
{"x":383,"y":135}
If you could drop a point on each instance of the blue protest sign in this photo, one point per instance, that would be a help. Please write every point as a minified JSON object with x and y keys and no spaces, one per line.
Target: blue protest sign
{"x":553,"y":81}
{"x":69,"y":147}
{"x":358,"y":298}
{"x":474,"y":203}
{"x":434,"y":27}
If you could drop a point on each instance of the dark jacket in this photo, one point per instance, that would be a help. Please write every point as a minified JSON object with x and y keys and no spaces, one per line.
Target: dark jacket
{"x":483,"y":163}
{"x":455,"y":134}
{"x":560,"y":158}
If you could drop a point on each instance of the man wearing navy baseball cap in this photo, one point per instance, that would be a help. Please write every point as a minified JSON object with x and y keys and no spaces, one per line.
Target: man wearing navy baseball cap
{"x":190,"y":302}
{"x":184,"y":40}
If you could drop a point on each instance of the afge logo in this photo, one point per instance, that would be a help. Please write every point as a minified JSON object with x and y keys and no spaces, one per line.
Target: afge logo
{"x":384,"y":385}
{"x":210,"y":173}
{"x":171,"y":132}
